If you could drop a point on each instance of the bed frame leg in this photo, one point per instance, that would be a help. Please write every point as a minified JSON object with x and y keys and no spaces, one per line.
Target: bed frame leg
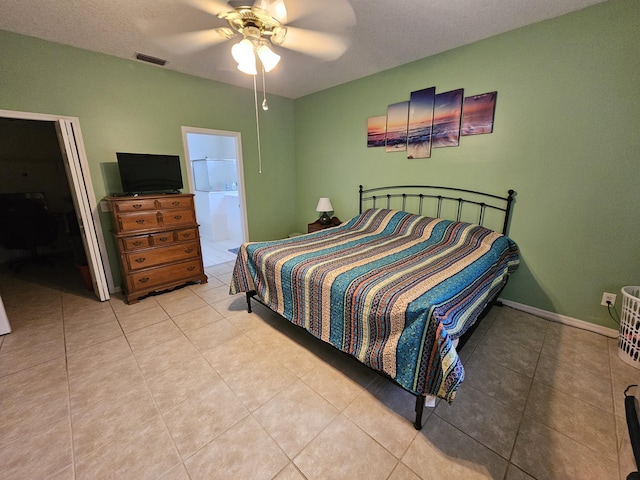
{"x":420,"y":399}
{"x":249,"y":295}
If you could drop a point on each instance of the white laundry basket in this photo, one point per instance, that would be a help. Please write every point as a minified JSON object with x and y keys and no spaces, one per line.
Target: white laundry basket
{"x":629,"y":339}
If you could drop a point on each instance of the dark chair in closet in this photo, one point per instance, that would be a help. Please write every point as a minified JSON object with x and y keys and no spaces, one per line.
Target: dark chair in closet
{"x":26,"y":224}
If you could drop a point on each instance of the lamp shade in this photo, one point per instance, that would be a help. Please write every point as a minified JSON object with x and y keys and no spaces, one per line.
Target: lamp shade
{"x":324,"y":205}
{"x":243,"y":53}
{"x":248,"y":68}
{"x":268,"y":57}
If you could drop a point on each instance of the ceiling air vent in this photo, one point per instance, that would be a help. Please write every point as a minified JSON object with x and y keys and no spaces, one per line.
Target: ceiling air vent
{"x":149,"y":59}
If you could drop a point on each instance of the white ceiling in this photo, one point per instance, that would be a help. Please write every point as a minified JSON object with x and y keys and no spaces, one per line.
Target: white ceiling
{"x":386,"y":33}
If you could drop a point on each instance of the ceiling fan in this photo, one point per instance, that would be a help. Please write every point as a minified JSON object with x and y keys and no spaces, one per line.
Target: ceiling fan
{"x":266,"y":24}
{"x":261,"y":26}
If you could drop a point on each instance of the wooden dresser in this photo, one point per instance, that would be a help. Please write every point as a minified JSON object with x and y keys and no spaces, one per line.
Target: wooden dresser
{"x":158,"y":241}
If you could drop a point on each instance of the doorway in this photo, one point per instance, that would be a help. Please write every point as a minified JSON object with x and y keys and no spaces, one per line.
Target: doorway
{"x":49,"y":165}
{"x":214,"y":166}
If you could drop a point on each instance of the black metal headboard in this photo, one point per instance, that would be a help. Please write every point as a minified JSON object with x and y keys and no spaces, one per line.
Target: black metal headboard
{"x":439,"y":199}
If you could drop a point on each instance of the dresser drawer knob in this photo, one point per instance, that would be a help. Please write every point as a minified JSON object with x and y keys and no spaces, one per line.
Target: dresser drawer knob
{"x":137,"y":243}
{"x":177,"y":217}
{"x":164,"y":239}
{"x":191,"y":269}
{"x":188,"y":250}
{"x":140,"y":221}
{"x":140,"y":259}
{"x":175,"y":204}
{"x":137,"y":205}
{"x":186,"y":235}
{"x":144,"y":280}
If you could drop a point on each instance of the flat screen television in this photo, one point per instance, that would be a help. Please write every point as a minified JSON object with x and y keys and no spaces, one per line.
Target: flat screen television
{"x":144,"y":172}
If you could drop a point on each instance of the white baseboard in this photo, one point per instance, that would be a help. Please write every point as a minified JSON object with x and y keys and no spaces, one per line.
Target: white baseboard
{"x":556,"y":317}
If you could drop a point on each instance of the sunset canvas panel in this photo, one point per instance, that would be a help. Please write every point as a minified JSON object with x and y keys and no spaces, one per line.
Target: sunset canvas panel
{"x":478,"y":113}
{"x":397,"y":119}
{"x":377,"y":131}
{"x":447,"y":115}
{"x":421,"y":104}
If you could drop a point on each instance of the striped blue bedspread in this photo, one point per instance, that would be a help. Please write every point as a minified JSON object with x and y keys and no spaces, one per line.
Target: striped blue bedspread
{"x":390,"y":288}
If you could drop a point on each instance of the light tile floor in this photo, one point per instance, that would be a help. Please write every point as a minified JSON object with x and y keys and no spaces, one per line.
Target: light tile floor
{"x":187,"y":385}
{"x":215,"y":253}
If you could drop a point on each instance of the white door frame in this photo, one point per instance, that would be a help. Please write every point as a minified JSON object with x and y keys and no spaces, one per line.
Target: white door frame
{"x":239,"y":169}
{"x":77,"y":168}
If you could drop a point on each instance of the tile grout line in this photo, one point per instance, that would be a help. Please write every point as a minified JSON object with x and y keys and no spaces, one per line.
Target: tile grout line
{"x":524,"y":410}
{"x":66,"y":370}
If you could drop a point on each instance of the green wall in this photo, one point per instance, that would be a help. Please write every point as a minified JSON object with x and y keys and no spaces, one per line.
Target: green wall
{"x":565,"y":138}
{"x":125,"y":105}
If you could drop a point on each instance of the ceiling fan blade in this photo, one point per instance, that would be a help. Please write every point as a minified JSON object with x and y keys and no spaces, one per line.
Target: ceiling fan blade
{"x":325,"y":46}
{"x":191,"y":42}
{"x":188,"y":30}
{"x":276,"y":9}
{"x":213,"y":7}
{"x":325,"y":15}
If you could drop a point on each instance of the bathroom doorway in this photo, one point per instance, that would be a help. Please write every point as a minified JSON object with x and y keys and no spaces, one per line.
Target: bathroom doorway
{"x":214,"y":161}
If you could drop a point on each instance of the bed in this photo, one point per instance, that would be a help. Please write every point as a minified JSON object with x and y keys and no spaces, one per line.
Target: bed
{"x":396,"y":286}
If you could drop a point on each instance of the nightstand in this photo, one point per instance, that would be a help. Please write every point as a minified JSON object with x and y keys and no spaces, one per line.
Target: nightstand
{"x":316,"y":226}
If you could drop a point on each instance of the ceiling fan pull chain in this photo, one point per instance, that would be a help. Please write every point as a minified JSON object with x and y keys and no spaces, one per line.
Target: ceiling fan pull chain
{"x":255,"y":99}
{"x":265,"y":105}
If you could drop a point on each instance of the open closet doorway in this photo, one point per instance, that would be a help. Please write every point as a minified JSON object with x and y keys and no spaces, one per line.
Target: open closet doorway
{"x":45,"y":166}
{"x":214,"y":161}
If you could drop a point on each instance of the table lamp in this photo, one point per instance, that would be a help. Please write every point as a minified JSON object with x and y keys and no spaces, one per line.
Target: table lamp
{"x":324,"y":206}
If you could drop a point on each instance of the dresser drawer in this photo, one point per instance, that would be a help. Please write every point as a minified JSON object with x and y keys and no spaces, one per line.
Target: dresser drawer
{"x":163,"y":238}
{"x":178,"y":217}
{"x":136,"y":243}
{"x":159,"y":256}
{"x":140,"y":221}
{"x":169,"y":274}
{"x":175,"y":202}
{"x":187,"y":234}
{"x":135,"y":205}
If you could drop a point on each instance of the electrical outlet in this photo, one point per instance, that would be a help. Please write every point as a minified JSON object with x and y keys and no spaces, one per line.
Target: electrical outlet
{"x":608,"y":298}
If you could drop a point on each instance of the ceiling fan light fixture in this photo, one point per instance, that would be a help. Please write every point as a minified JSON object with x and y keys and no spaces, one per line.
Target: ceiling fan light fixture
{"x":242,"y":52}
{"x":268,"y":57}
{"x":248,"y":67}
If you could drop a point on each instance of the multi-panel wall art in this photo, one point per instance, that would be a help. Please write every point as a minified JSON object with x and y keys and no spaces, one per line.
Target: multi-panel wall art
{"x":477,"y":114}
{"x":429,"y":120}
{"x":377,"y":131}
{"x":396,"y":132}
{"x":447,"y":115}
{"x":420,"y":127}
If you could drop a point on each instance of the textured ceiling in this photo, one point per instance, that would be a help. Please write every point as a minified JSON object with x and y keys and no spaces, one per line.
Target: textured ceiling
{"x":385,"y":34}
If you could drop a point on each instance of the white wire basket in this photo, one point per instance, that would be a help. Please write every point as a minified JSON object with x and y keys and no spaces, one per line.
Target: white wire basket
{"x":629,"y":339}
